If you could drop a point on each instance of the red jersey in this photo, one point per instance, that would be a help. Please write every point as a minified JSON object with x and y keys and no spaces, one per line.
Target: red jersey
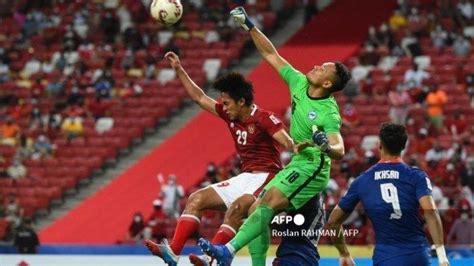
{"x":253,"y":139}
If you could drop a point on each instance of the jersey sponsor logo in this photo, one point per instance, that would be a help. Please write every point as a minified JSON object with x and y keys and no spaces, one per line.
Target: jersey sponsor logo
{"x":312,"y":115}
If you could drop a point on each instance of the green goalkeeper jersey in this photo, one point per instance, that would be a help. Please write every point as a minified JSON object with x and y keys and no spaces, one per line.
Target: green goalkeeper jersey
{"x":307,"y":111}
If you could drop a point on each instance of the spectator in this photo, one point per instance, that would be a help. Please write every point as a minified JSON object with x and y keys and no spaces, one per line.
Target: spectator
{"x":55,"y":86}
{"x":397,"y":20}
{"x":465,"y":11}
{"x":72,"y":127}
{"x":350,"y":116}
{"x":157,"y":221}
{"x":42,"y":147}
{"x":469,"y":83}
{"x":467,"y":173}
{"x":385,"y":36}
{"x":436,"y":153}
{"x":457,"y":125}
{"x":98,"y":108}
{"x":457,"y":152}
{"x":461,"y":46}
{"x":135,"y":230}
{"x":373,"y":38}
{"x":400,"y":104}
{"x":26,"y":239}
{"x":172,"y":193}
{"x":436,"y":100}
{"x":414,"y":76}
{"x":13,"y":211}
{"x":17,"y":170}
{"x":32,"y":66}
{"x":423,"y":142}
{"x":439,"y":37}
{"x":462,"y":231}
{"x":103,"y":88}
{"x":4,"y":72}
{"x":10,"y":132}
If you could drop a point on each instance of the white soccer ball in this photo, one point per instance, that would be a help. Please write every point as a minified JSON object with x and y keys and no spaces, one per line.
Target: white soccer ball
{"x":167,"y":12}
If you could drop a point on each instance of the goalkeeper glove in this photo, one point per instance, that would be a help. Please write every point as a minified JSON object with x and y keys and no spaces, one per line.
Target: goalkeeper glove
{"x":241,"y":17}
{"x":321,"y":140}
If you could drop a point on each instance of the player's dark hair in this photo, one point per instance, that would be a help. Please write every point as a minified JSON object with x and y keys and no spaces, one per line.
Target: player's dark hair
{"x":393,"y":138}
{"x":343,"y":75}
{"x":236,"y":86}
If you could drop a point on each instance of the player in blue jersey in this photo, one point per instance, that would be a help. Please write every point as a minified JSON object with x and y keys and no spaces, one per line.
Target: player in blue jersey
{"x":302,"y":249}
{"x":391,"y":193}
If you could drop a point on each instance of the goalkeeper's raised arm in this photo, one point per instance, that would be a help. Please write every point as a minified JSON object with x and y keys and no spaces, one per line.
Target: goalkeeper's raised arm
{"x":263,"y":44}
{"x":193,"y":90}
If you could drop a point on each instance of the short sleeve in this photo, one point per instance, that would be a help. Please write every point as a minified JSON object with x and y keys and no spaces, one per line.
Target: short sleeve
{"x":332,"y":123}
{"x":295,"y":79}
{"x":423,"y":184}
{"x":351,"y":198}
{"x":270,"y":123}
{"x":220,"y":111}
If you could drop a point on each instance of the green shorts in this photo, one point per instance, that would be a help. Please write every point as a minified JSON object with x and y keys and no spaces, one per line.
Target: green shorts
{"x":300,"y":181}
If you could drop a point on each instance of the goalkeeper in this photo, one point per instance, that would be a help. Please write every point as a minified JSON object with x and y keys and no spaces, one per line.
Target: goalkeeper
{"x":314,"y":116}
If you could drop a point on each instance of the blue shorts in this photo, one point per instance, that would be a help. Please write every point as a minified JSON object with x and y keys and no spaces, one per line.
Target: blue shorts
{"x":418,"y":259}
{"x":295,"y":260}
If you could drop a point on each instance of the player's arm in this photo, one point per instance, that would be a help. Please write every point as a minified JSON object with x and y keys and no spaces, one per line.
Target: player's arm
{"x":336,"y":146}
{"x":435,"y":227}
{"x":337,"y":217}
{"x":193,"y":90}
{"x":282,"y":137}
{"x":331,"y":143}
{"x":263,"y":44}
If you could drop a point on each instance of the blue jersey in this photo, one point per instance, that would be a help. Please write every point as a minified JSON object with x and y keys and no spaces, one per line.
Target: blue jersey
{"x":389,"y":192}
{"x":302,"y":250}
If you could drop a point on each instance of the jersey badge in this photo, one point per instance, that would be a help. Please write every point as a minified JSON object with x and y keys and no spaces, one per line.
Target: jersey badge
{"x":312,"y":115}
{"x":251,"y":128}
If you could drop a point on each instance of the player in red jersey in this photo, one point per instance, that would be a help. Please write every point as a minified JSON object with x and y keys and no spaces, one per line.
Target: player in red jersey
{"x":256,"y":134}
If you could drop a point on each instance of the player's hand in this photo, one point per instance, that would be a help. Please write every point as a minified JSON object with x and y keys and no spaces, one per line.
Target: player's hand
{"x":320,"y":139}
{"x":173,"y":59}
{"x":241,"y":17}
{"x":346,"y":261}
{"x":297,"y":148}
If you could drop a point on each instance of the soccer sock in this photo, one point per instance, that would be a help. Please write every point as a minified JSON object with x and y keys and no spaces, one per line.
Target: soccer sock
{"x":187,"y":225}
{"x":223,"y":235}
{"x":257,"y":222}
{"x":258,"y":248}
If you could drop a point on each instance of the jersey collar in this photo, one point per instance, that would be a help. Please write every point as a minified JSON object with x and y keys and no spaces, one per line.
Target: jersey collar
{"x":254,"y":109}
{"x":391,"y":161}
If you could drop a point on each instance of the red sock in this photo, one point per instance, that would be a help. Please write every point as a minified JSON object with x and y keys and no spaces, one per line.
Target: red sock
{"x":223,"y":235}
{"x":187,"y":225}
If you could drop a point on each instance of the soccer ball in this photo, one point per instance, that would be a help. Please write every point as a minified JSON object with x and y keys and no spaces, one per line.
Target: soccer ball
{"x":167,"y":12}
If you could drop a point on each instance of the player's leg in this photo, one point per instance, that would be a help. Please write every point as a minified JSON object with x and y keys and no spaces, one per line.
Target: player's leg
{"x":272,"y":201}
{"x":203,"y":199}
{"x":188,"y":223}
{"x":234,"y":215}
{"x":233,"y":219}
{"x":238,"y":194}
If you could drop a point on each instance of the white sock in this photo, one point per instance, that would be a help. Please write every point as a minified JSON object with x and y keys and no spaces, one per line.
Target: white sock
{"x":230,"y":248}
